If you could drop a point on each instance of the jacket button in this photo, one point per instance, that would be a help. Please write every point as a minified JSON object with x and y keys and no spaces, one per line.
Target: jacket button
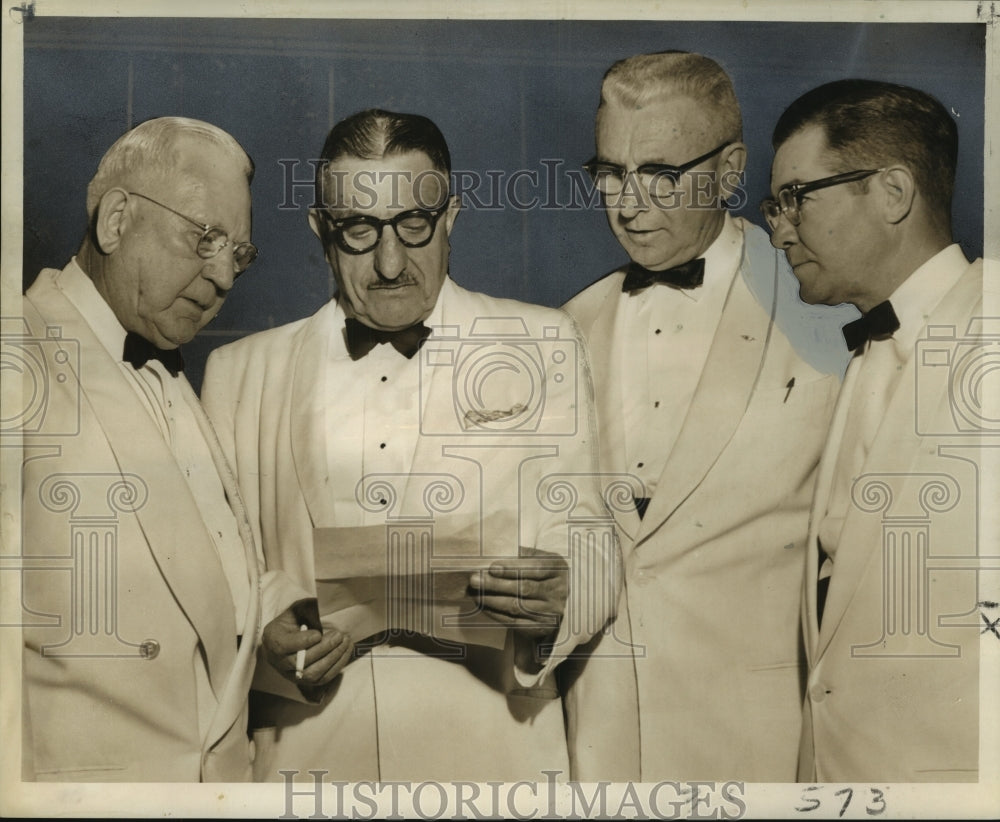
{"x":818,"y":693}
{"x":149,"y":649}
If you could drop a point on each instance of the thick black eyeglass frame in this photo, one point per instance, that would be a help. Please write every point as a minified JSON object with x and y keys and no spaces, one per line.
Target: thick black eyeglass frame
{"x":789,"y":201}
{"x":337,"y":227}
{"x":595,"y":167}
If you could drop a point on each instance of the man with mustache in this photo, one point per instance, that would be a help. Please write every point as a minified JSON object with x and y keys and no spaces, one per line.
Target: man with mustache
{"x":409,"y":404}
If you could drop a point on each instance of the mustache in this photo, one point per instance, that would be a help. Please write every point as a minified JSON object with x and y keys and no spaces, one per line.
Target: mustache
{"x":403,"y":279}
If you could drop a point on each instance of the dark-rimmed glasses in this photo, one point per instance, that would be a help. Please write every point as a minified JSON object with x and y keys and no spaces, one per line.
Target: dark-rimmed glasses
{"x":361,"y":233}
{"x":213,"y":239}
{"x":659,"y":179}
{"x":789,"y":200}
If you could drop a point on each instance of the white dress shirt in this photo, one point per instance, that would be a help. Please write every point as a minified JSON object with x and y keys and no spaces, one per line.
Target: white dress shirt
{"x":373,"y":423}
{"x":671,"y":332}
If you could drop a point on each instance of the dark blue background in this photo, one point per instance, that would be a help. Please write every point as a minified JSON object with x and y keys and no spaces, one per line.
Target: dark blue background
{"x":506,"y":94}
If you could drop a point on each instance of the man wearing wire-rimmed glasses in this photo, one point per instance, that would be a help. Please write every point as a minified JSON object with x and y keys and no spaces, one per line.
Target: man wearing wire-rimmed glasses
{"x":137,"y":546}
{"x":714,"y":384}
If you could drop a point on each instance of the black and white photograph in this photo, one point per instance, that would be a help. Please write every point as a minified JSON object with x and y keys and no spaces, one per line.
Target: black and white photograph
{"x":454,"y":410}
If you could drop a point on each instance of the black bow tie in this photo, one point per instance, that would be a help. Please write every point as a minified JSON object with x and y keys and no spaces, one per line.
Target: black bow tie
{"x":362,"y":338}
{"x":138,"y":351}
{"x":686,"y":275}
{"x":878,"y":324}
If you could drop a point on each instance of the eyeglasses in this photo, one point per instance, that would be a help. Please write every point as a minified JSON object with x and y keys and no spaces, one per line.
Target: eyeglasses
{"x":361,"y":233}
{"x":659,"y":179}
{"x":789,"y":200}
{"x":213,"y":239}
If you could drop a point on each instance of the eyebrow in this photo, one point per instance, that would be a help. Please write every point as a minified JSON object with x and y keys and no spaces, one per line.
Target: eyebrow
{"x":638,"y":165}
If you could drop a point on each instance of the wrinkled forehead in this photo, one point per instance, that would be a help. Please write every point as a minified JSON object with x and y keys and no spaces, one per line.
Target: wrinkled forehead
{"x":664,"y":128}
{"x":203,"y":171}
{"x":390,"y":184}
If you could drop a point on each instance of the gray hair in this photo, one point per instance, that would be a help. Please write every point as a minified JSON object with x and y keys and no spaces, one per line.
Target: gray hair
{"x":150,"y":151}
{"x":644,"y":78}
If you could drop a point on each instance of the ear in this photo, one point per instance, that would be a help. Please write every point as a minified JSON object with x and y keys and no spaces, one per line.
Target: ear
{"x":733,"y":158}
{"x":454,"y":206}
{"x":314,"y":223}
{"x":111,"y":219}
{"x":898,"y":193}
{"x":732,"y":162}
{"x":329,"y":250}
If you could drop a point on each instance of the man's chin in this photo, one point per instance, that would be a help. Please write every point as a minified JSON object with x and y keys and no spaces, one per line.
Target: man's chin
{"x":811,"y":297}
{"x":176,"y":337}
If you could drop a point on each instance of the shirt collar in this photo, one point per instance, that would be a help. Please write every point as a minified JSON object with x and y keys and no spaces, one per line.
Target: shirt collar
{"x":83,"y":294}
{"x":915,"y":299}
{"x":723,"y":255}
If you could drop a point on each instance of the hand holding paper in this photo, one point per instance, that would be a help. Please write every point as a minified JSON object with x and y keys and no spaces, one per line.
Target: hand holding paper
{"x":527,"y":593}
{"x":325,"y":653}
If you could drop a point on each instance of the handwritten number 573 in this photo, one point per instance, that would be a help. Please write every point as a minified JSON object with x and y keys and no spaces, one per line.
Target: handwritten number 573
{"x":812,"y":802}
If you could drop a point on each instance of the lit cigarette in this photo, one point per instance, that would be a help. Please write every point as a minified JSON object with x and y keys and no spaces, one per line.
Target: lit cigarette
{"x":300,"y":657}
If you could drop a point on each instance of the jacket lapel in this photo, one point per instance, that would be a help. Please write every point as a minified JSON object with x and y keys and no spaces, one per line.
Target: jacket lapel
{"x":723,"y":394}
{"x":608,"y":362}
{"x":169,"y":519}
{"x":308,"y":411}
{"x":821,"y":498}
{"x":233,"y":697}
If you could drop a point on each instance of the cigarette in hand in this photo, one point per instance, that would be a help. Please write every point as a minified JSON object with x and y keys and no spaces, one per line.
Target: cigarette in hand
{"x":300,"y":657}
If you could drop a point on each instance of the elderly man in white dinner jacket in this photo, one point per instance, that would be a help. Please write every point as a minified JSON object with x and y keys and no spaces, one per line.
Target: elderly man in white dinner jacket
{"x":142,"y":584}
{"x":714,"y":387}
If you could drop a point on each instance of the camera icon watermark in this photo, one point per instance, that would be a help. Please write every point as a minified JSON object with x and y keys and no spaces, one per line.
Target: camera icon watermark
{"x":966,"y":370}
{"x":938,"y":570}
{"x":44,"y":363}
{"x":500,"y":379}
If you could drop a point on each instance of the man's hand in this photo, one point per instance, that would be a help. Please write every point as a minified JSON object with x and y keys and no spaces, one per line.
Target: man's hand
{"x":326,"y":654}
{"x":527,"y":593}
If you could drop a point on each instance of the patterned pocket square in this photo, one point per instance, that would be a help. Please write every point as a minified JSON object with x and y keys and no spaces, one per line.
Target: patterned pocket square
{"x":478,"y":417}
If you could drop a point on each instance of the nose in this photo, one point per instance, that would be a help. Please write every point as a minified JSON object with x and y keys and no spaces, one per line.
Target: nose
{"x":783,"y":233}
{"x":220,"y":270}
{"x":390,"y":255}
{"x":633,"y":197}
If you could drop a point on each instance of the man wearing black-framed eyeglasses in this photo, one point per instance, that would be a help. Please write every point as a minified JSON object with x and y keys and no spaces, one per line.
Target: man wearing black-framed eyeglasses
{"x":143,"y":672}
{"x":713,"y":382}
{"x":407,"y":405}
{"x":862,"y":183}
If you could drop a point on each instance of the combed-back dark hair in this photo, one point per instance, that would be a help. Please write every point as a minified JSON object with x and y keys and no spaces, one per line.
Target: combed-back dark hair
{"x":374,"y":133}
{"x":871,"y":124}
